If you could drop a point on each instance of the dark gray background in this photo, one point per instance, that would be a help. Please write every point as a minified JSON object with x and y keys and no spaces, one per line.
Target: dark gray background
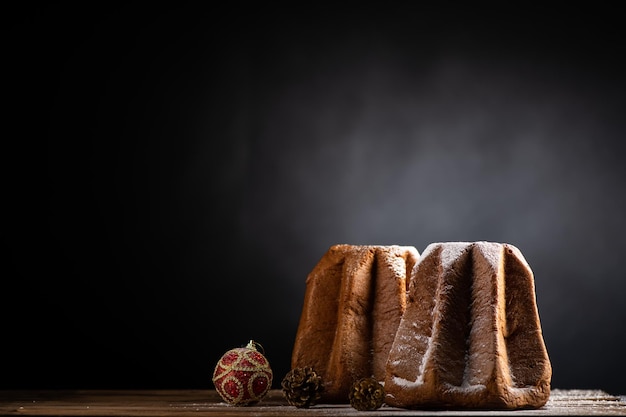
{"x":173,"y":174}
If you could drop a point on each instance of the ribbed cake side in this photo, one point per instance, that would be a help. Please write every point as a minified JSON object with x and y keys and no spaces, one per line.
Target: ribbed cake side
{"x":353,"y":303}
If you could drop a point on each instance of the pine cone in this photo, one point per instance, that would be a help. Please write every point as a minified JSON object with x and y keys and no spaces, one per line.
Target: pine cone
{"x":367,"y":394}
{"x":302,"y":387}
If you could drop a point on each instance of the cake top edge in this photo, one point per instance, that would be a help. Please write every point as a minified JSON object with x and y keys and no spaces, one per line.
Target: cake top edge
{"x":372,"y":245}
{"x":452,"y":242}
{"x":454,"y":246}
{"x":449,"y":251}
{"x":357,"y":246}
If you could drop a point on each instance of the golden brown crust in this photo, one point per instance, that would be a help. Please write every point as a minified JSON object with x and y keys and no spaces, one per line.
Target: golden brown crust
{"x":354,"y":299}
{"x":470,"y":336}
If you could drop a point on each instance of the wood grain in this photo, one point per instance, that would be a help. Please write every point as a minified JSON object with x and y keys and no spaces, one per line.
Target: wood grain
{"x":148,"y":403}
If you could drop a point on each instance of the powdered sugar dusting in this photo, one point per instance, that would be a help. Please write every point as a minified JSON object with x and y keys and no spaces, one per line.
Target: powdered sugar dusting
{"x":428,"y":251}
{"x":491,"y":251}
{"x":397,"y":266}
{"x":427,"y":354}
{"x":451,"y":251}
{"x":404,"y":382}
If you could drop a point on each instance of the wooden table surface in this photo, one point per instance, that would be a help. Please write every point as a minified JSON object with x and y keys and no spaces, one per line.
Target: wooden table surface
{"x":147,"y":403}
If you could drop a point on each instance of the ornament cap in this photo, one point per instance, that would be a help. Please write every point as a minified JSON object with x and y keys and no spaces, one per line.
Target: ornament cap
{"x":255,"y":346}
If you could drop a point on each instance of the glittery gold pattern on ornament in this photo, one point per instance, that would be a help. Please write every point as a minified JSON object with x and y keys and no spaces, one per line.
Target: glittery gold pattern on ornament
{"x":243,"y":376}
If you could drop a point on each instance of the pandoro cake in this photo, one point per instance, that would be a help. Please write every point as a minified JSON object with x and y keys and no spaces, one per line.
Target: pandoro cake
{"x":470,"y":336}
{"x":354,"y":300}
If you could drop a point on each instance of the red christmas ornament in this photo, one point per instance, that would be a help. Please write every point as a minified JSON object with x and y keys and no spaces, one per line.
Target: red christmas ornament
{"x":243,"y":375}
